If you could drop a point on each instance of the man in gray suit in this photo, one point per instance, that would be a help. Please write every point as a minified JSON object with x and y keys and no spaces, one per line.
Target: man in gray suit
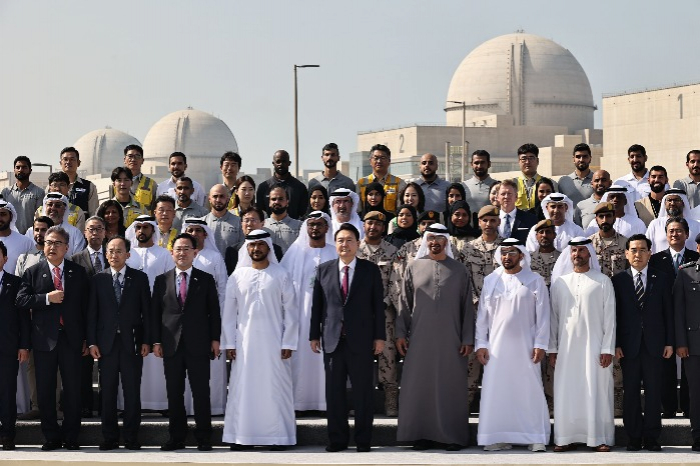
{"x":347,"y":316}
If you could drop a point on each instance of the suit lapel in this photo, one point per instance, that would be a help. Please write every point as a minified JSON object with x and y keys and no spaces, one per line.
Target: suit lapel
{"x":335,"y":284}
{"x":651,"y":280}
{"x":192,"y":287}
{"x":355,"y":279}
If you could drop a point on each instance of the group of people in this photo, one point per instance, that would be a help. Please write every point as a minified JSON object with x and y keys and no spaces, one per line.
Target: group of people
{"x":540,"y":297}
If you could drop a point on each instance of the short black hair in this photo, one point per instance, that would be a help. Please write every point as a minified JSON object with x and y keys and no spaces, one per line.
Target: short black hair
{"x":22,"y":158}
{"x":178,"y":154}
{"x":135,"y":147}
{"x":481,"y":153}
{"x":249,"y":209}
{"x":637,"y":148}
{"x":3,"y":248}
{"x":330,"y":146}
{"x":381,"y":147}
{"x":680,"y":220}
{"x":58,"y":177}
{"x":164,"y":198}
{"x":186,"y":179}
{"x":582,"y":147}
{"x":637,"y":237}
{"x":529,"y":148}
{"x":71,"y":150}
{"x":658,"y":168}
{"x":119,"y":170}
{"x":127,"y":243}
{"x":348,"y":227}
{"x":186,"y":236}
{"x":687,"y":156}
{"x":231,"y":156}
{"x":44,"y":219}
{"x":60,"y":231}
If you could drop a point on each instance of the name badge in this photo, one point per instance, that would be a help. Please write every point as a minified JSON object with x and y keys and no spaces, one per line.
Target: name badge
{"x":82,"y":190}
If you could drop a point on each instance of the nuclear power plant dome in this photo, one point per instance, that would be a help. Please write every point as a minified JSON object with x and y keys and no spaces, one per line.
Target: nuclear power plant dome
{"x":535,"y":80}
{"x":102,"y":150}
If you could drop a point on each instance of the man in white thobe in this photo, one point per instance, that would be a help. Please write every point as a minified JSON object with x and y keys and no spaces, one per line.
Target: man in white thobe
{"x":152,"y":260}
{"x":627,"y":221}
{"x":512,"y":335}
{"x":674,"y":204}
{"x":260,"y":329}
{"x":560,"y":210}
{"x":313,"y":247}
{"x":581,"y":345}
{"x":209,"y":259}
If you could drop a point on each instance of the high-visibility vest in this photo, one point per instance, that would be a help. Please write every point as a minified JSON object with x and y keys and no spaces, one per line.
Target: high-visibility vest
{"x":145,"y":192}
{"x":391,"y":190}
{"x":523,"y":202}
{"x":131,"y":211}
{"x":166,"y":241}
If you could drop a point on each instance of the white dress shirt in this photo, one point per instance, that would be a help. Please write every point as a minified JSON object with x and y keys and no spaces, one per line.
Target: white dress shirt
{"x":351,"y":272}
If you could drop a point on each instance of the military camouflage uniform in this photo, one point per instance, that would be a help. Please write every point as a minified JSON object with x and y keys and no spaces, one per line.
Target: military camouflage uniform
{"x":459,"y":247}
{"x":478,"y":257}
{"x":543,"y":264}
{"x":383,"y":255}
{"x":612,"y":260}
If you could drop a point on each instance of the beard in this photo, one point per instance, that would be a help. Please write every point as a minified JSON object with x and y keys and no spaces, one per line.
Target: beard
{"x":22,"y":176}
{"x":278,"y":210}
{"x":674,"y":212}
{"x":657,"y":187}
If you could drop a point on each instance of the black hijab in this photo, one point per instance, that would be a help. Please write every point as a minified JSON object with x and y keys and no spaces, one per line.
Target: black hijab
{"x":468,"y":229}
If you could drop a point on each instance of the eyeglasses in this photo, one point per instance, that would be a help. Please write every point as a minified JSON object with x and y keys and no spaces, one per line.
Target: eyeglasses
{"x":382,"y":158}
{"x":315,"y":226}
{"x":530,"y":158}
{"x":95,"y":229}
{"x":133,"y":156}
{"x":51,"y":244}
{"x":181,"y":249}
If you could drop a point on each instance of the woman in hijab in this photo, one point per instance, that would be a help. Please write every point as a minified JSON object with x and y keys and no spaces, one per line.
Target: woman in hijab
{"x":374,"y":200}
{"x":459,"y":225}
{"x":406,"y":226}
{"x":543,"y":188}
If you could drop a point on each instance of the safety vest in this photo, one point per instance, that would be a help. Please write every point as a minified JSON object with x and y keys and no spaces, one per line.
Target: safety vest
{"x":166,"y":241}
{"x":132,"y":210}
{"x":523,"y":202}
{"x":145,"y":193}
{"x":391,"y":190}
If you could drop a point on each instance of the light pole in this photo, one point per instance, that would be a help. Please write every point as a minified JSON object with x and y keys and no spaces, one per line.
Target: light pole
{"x":296,"y":118}
{"x":464,"y":136}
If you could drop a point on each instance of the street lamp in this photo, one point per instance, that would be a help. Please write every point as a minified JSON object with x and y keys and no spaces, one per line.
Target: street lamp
{"x":37,"y":164}
{"x":296,"y":118}
{"x":464,"y":137}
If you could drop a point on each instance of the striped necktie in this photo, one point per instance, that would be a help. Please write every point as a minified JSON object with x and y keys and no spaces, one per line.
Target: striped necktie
{"x":639,"y":290}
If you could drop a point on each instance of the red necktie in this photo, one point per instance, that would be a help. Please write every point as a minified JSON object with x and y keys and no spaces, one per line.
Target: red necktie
{"x":346,"y":276}
{"x":59,"y":286}
{"x":183,"y":288}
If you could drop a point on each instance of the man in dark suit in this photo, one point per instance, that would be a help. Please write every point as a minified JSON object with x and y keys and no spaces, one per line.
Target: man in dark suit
{"x":347,"y":315}
{"x":515,"y":223}
{"x":686,"y":294}
{"x":645,"y":336}
{"x":185,"y":331}
{"x":14,"y":349}
{"x":669,"y":261}
{"x":92,"y":259}
{"x":57,"y":335}
{"x":118,"y":337}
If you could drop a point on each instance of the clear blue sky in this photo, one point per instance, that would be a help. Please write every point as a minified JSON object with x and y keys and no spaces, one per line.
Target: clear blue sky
{"x":69,"y":67}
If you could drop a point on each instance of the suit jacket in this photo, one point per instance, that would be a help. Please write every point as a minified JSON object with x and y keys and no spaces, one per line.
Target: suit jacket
{"x":653,"y":320}
{"x":131,"y":315}
{"x":663,"y":260}
{"x":37,"y":281}
{"x":16,"y":323}
{"x":197,"y":323}
{"x":686,"y":296}
{"x":83,"y":258}
{"x":522,"y":224}
{"x":361,"y":315}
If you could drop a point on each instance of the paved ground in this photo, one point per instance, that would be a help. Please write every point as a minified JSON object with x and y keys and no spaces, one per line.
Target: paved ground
{"x":378,"y":456}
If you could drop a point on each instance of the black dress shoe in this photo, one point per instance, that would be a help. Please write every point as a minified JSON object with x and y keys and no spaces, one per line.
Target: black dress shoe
{"x":422,"y":445}
{"x":634,"y":444}
{"x":239,"y":447}
{"x":204,"y":446}
{"x":651,"y":444}
{"x":668,"y":415}
{"x":52,"y":445}
{"x":333,"y":447}
{"x":85,"y":413}
{"x":72,"y":446}
{"x":454,"y":447}
{"x":109,"y":445}
{"x":363,"y":448}
{"x":172,"y":445}
{"x":696,"y":445}
{"x":132,"y":445}
{"x":8,"y":445}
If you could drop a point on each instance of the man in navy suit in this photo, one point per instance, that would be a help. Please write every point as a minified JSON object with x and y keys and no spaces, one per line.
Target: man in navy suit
{"x":669,"y":261}
{"x":56,"y":292}
{"x":347,"y":320}
{"x":118,"y":337}
{"x":645,"y":337}
{"x":515,"y":223}
{"x":14,"y":349}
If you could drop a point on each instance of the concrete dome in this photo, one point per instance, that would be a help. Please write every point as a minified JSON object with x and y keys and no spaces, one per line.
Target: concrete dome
{"x":102,"y":150}
{"x":533,"y":79}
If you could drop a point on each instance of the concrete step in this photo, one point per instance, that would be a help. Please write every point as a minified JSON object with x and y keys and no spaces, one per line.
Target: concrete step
{"x":310,"y":431}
